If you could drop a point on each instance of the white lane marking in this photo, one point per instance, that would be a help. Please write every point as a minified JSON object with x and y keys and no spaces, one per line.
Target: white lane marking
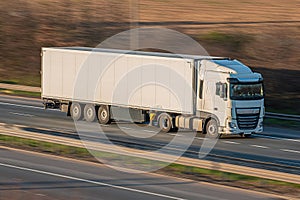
{"x":125,"y":127}
{"x":27,"y":106}
{"x":258,"y":146}
{"x":289,"y":150}
{"x":175,"y":134}
{"x":42,"y":195}
{"x":199,"y":138}
{"x":105,"y":125}
{"x":149,"y":131}
{"x":19,"y":105}
{"x":90,"y":181}
{"x":278,"y":138}
{"x":230,"y":142}
{"x":288,"y":139}
{"x":128,"y":128}
{"x":22,"y":114}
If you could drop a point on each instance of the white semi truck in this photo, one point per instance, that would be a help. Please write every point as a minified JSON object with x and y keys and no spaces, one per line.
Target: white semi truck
{"x":213,"y":95}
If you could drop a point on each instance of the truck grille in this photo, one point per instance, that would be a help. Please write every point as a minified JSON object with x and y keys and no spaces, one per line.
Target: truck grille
{"x":247,"y":120}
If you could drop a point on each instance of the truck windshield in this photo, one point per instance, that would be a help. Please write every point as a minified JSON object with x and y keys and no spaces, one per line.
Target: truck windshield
{"x":249,"y":91}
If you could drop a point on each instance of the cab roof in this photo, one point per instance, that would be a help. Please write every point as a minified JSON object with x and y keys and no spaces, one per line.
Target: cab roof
{"x":234,"y":65}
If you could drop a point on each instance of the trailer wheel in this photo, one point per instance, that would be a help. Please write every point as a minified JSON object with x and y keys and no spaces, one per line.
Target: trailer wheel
{"x":104,"y":115}
{"x":165,"y":122}
{"x":212,"y":129}
{"x":89,"y":112}
{"x":75,"y":111}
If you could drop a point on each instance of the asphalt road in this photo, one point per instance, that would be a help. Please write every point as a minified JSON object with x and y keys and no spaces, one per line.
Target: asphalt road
{"x":276,"y":149}
{"x":27,"y":175}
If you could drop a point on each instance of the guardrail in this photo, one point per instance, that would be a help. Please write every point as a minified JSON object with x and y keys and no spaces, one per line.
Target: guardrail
{"x":282,"y":116}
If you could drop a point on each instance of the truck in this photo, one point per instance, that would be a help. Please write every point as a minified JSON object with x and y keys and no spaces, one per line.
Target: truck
{"x":213,"y":95}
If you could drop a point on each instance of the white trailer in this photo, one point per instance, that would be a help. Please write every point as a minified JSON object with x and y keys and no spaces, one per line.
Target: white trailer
{"x":210,"y":94}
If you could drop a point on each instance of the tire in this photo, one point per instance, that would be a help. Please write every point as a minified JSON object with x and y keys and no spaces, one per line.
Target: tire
{"x":89,"y":113}
{"x":165,"y":122}
{"x":76,"y":111}
{"x":104,"y":115}
{"x":212,"y":129}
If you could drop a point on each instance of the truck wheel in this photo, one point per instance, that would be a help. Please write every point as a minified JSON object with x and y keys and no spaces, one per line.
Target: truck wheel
{"x":89,"y":112}
{"x":165,"y":122}
{"x":103,"y":115}
{"x":76,"y":111}
{"x":212,"y":129}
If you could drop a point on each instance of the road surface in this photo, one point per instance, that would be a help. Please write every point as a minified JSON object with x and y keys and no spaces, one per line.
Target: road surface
{"x":276,"y":149}
{"x":27,"y":175}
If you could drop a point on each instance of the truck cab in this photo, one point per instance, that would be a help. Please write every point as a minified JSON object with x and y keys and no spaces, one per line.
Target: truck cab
{"x":231,"y":95}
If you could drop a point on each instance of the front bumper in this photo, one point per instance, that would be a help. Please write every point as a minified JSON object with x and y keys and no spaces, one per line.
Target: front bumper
{"x":236,"y":130}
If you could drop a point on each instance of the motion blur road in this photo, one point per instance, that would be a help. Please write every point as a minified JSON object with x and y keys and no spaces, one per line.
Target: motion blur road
{"x":27,"y":175}
{"x":276,"y":149}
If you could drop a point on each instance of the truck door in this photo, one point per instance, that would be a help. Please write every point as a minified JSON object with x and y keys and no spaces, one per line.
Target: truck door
{"x":214,"y":101}
{"x":208,"y":96}
{"x":220,"y":101}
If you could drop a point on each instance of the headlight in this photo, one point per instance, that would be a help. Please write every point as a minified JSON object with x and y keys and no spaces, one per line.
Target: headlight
{"x":232,"y":125}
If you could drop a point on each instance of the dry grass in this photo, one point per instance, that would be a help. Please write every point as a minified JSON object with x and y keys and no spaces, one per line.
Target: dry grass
{"x":233,"y":28}
{"x":218,"y":10}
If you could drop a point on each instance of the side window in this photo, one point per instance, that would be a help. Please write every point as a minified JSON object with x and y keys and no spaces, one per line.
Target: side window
{"x":221,"y":90}
{"x":218,"y":88}
{"x":201,"y":89}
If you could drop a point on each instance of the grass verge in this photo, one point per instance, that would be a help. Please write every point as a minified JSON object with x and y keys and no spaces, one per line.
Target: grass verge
{"x":29,"y":80}
{"x":20,"y":93}
{"x":193,"y":173}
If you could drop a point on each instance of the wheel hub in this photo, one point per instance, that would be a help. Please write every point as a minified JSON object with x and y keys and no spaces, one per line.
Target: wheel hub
{"x":103,"y":114}
{"x":166,"y":123}
{"x":76,"y":111}
{"x":211,"y":129}
{"x":90,"y":112}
